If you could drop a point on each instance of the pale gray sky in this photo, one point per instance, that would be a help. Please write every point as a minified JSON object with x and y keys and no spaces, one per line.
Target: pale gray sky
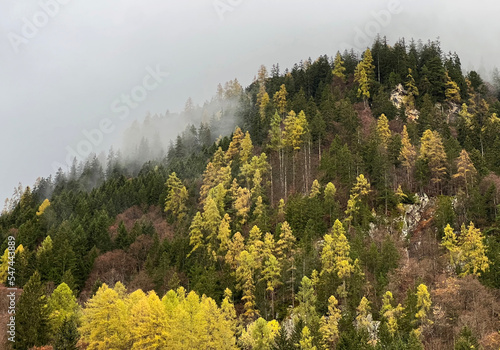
{"x":64,"y":63}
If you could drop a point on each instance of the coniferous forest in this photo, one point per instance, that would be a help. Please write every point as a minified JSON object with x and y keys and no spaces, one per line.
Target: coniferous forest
{"x":353,"y":203}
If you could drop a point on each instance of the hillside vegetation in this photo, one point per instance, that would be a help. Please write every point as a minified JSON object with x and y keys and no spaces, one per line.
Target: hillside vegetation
{"x":355,"y":205}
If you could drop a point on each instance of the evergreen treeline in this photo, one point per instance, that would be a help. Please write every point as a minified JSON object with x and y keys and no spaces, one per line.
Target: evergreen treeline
{"x":355,"y":207}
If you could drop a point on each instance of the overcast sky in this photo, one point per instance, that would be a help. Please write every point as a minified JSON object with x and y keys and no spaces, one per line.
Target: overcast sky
{"x":63,"y":65}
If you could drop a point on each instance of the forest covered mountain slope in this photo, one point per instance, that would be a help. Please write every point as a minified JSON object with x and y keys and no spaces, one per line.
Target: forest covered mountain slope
{"x":350,"y":202}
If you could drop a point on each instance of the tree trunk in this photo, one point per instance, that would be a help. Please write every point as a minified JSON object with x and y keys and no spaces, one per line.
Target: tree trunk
{"x":272,"y":190}
{"x":319,"y":149}
{"x":306,"y":171}
{"x":308,"y":175}
{"x":272,"y":304}
{"x":282,"y":179}
{"x":285,"y":173}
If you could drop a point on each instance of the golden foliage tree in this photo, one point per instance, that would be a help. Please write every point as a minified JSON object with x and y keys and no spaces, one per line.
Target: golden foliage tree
{"x":245,"y":276}
{"x":338,"y":67}
{"x":177,"y":196}
{"x":472,"y":258}
{"x":315,"y":189}
{"x":424,"y":304}
{"x":279,"y":100}
{"x":452,"y":91}
{"x":242,"y":205}
{"x":407,"y":154}
{"x":450,"y":242}
{"x":104,"y":321}
{"x":246,"y":148}
{"x":330,"y":323}
{"x":432,"y":151}
{"x":411,"y":89}
{"x":391,"y":313}
{"x":363,"y":75}
{"x":41,"y":209}
{"x":383,"y":131}
{"x":362,"y":317}
{"x":335,"y":255}
{"x":466,"y":171}
{"x":360,"y":189}
{"x":306,"y":340}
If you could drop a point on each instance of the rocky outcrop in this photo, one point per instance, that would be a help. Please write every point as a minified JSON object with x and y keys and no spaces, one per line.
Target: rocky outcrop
{"x":398,"y":99}
{"x":413,"y":214}
{"x":398,"y":96}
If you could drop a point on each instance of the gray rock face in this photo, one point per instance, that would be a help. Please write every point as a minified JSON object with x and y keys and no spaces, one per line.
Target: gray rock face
{"x":413,"y":214}
{"x":398,"y":99}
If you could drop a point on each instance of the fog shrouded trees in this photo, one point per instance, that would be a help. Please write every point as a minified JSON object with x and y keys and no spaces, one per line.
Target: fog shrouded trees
{"x":240,"y":237}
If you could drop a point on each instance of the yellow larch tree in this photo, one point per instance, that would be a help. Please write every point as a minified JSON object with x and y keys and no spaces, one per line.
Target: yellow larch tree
{"x":263,"y":103}
{"x":234,"y":145}
{"x":219,"y":325}
{"x":335,"y":256}
{"x":364,"y":75}
{"x":148,"y":324}
{"x":362,"y":318}
{"x":262,"y":97}
{"x":196,"y":239}
{"x":361,"y":78}
{"x":391,"y":313}
{"x":281,"y":210}
{"x":104,"y":321}
{"x":271,"y":274}
{"x":246,"y":148}
{"x":259,"y":334}
{"x":211,"y":223}
{"x":306,"y":340}
{"x":285,"y":253}
{"x":296,"y":127}
{"x":41,"y":209}
{"x":224,"y":235}
{"x":432,"y":151}
{"x":466,"y":171}
{"x":280,"y":101}
{"x":242,"y":205}
{"x":473,"y":259}
{"x":330,"y":323}
{"x":338,"y":67}
{"x":245,"y":277}
{"x":236,"y":246}
{"x":5,"y":262}
{"x":315,"y":189}
{"x":424,"y":304}
{"x":383,"y":131}
{"x":177,"y":196}
{"x":450,"y":242}
{"x":452,"y":91}
{"x":360,"y":189}
{"x":286,"y":242}
{"x":407,"y":154}
{"x":256,"y":190}
{"x":411,"y":89}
